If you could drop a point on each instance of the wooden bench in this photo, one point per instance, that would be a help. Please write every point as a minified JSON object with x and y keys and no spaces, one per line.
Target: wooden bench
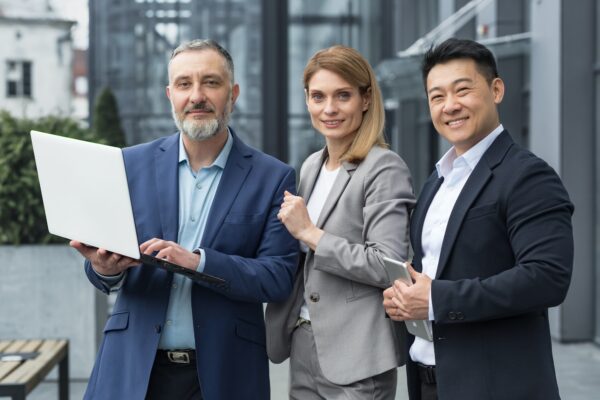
{"x":19,"y":377}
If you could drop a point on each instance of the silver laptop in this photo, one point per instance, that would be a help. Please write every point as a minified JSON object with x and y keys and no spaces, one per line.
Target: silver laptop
{"x":397,"y":270}
{"x":86,"y":198}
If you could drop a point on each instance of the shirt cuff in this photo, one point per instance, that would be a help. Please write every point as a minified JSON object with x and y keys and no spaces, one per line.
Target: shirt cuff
{"x":111,"y":282}
{"x":431,"y":314}
{"x":110,"y":279}
{"x":202,"y":263}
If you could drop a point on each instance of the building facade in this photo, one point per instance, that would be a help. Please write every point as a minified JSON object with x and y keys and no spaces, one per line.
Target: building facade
{"x":130,"y":45}
{"x":548,"y":54}
{"x":35,"y":60}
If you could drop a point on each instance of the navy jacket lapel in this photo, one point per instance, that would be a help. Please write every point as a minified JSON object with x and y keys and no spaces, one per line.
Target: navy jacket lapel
{"x":239,"y":164}
{"x":482,"y":173}
{"x":167,"y":184}
{"x":430,"y":188}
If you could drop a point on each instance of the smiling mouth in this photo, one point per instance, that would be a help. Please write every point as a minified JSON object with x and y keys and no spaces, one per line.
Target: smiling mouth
{"x":456,"y":122}
{"x":333,"y":123}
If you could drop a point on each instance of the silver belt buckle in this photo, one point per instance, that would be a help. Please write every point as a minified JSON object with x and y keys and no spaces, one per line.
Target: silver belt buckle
{"x":302,"y":321}
{"x":178,"y":357}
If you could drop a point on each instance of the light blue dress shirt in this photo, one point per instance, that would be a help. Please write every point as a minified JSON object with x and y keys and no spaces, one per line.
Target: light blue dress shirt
{"x":196,"y":194}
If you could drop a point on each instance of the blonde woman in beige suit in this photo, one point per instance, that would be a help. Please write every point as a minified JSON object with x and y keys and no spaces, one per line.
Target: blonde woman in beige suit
{"x":353,"y":209}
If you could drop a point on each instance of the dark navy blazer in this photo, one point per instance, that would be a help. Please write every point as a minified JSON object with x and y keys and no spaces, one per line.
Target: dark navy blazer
{"x":245,"y":244}
{"x":506,"y":257}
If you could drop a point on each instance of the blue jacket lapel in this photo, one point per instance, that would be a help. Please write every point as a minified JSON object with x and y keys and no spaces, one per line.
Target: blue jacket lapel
{"x":482,"y":173}
{"x":167,"y":184}
{"x":236,"y":170}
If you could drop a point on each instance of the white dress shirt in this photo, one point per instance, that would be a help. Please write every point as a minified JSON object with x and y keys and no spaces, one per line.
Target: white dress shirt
{"x":455,"y":171}
{"x":314,"y":207}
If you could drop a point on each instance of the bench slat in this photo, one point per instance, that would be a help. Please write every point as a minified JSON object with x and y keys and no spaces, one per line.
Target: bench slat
{"x":4,"y":344}
{"x":34,"y":370}
{"x":6,"y":367}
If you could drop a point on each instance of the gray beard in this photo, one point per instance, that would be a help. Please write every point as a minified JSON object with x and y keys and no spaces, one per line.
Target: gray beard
{"x":200,"y":130}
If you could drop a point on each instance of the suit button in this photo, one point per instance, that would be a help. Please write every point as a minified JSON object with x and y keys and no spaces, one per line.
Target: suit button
{"x":157,"y":328}
{"x":314,"y":297}
{"x":460,"y":316}
{"x":452,"y":315}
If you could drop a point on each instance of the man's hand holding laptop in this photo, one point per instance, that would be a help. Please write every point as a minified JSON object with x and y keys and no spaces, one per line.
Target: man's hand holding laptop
{"x":103,"y":261}
{"x":108,"y":263}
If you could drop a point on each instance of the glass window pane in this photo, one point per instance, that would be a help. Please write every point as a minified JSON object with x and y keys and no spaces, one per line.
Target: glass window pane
{"x":27,"y":78}
{"x":11,"y":89}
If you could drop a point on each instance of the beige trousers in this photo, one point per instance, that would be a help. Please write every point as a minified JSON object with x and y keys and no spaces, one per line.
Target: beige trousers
{"x":308,"y":383}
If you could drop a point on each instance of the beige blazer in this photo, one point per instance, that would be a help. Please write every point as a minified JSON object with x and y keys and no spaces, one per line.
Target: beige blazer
{"x":365,"y":217}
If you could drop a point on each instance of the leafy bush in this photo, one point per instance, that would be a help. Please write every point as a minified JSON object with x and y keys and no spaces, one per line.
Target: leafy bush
{"x":22,"y":218}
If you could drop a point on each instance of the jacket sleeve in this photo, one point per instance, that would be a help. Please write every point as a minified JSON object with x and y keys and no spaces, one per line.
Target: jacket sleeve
{"x":267,"y":277}
{"x":104,"y":284}
{"x":388,"y":199}
{"x":537,"y":217}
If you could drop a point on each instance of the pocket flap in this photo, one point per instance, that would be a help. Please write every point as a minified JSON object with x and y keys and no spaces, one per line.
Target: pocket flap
{"x":117,"y":322}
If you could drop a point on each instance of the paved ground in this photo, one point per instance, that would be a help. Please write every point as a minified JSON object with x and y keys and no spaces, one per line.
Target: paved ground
{"x":577,"y":369}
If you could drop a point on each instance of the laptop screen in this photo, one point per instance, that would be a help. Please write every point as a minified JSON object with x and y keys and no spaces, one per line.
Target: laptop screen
{"x":85,"y":192}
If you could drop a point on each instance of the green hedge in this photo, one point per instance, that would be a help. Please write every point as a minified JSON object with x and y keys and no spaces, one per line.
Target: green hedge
{"x":22,"y":219}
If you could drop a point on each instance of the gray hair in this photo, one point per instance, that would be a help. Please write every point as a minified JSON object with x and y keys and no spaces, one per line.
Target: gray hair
{"x":204,"y":44}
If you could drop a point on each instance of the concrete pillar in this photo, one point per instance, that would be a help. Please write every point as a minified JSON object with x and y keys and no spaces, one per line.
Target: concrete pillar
{"x":562,"y":129}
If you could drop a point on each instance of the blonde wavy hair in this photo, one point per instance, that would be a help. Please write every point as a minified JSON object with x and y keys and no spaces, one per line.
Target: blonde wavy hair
{"x":349,"y":64}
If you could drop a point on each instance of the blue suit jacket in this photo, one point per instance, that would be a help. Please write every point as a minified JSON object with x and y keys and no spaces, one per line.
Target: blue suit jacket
{"x":245,"y":244}
{"x":506,"y":257}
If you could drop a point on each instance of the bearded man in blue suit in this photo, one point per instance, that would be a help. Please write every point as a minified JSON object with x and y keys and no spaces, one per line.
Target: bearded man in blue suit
{"x":204,"y":200}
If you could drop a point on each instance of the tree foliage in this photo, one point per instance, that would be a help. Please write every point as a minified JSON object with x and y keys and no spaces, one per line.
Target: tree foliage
{"x":106,"y":123}
{"x":22,"y":218}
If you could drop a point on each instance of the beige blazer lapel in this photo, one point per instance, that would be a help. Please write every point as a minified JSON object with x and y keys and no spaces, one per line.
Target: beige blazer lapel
{"x":309,"y":175}
{"x":346,"y":171}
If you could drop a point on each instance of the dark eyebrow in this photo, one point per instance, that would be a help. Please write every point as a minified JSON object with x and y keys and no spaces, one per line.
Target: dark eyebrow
{"x":456,"y":82}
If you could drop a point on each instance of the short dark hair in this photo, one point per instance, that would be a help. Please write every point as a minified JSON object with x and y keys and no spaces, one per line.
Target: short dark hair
{"x":453,"y":49}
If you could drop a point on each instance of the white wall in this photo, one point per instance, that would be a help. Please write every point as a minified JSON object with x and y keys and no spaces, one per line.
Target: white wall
{"x":44,"y":294}
{"x":38,"y":41}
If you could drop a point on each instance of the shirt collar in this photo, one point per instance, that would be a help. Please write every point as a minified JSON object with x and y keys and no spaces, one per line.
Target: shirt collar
{"x":221,"y":159}
{"x":471,"y":157}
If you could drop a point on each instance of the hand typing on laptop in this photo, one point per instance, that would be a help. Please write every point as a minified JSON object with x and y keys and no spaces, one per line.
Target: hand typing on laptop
{"x":103,"y":261}
{"x":172,"y":252}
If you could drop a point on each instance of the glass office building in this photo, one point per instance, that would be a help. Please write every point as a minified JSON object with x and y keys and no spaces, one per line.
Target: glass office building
{"x":548,"y":54}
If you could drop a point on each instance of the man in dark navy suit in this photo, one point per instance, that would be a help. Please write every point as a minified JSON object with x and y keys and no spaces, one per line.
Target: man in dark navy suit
{"x":492,"y":242}
{"x":206,"y":201}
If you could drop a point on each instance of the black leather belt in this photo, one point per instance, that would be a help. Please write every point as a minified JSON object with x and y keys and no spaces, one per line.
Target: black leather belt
{"x":426,"y":373}
{"x":186,"y":356}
